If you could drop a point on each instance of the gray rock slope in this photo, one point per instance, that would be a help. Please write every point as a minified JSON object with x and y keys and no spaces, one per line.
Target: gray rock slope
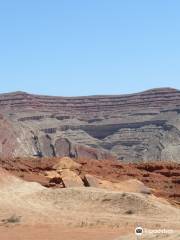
{"x":142,"y":126}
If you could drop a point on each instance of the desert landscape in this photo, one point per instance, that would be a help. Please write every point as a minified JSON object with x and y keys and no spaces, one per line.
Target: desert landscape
{"x":87,"y":168}
{"x":89,"y":120}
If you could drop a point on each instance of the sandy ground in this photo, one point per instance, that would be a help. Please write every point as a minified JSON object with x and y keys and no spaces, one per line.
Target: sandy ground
{"x":57,"y":232}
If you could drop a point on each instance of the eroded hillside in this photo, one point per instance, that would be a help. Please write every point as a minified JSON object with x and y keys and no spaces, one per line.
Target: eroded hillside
{"x":142,"y":126}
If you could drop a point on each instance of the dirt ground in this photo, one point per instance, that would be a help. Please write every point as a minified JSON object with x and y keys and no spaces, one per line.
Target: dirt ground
{"x":57,"y":232}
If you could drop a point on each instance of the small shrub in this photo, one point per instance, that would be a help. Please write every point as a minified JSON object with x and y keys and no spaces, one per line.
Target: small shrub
{"x":13,"y":219}
{"x":130,"y":211}
{"x":124,"y":195}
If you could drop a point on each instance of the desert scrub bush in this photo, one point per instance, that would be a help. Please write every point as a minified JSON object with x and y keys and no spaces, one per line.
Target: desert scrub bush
{"x":130,"y":211}
{"x":83,"y":224}
{"x":12,"y":219}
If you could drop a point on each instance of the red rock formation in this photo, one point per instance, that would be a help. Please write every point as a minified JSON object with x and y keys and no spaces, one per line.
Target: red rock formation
{"x":151,"y":174}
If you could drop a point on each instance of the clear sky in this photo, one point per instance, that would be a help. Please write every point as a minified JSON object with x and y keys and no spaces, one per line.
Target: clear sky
{"x":87,"y":47}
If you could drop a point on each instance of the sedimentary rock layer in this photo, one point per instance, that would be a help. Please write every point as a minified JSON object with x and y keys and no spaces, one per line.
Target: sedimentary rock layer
{"x":134,"y":127}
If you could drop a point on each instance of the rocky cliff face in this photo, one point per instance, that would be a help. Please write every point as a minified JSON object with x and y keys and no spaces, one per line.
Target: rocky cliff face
{"x":135,"y":127}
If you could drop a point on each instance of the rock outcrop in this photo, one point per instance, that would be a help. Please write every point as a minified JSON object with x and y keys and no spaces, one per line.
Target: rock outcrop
{"x":159,"y":178}
{"x":66,"y":163}
{"x":143,"y":126}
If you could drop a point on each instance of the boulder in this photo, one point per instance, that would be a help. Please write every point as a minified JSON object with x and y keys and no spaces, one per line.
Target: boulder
{"x":91,"y":181}
{"x":71,"y":179}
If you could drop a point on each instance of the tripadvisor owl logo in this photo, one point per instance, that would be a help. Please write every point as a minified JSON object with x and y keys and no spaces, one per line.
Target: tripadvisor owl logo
{"x":139,"y":231}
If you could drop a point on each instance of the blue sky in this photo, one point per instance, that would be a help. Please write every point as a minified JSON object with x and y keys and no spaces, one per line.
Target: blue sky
{"x":87,"y":47}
